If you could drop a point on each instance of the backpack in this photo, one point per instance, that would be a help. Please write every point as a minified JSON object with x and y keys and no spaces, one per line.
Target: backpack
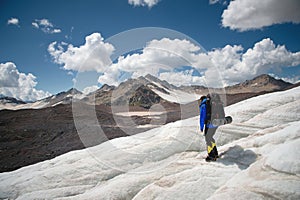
{"x":214,"y":107}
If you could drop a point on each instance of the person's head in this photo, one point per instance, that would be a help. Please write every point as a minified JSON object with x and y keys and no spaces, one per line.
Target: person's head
{"x":202,"y":98}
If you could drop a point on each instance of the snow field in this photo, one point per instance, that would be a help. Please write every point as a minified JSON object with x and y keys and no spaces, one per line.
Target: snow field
{"x":261,"y":161}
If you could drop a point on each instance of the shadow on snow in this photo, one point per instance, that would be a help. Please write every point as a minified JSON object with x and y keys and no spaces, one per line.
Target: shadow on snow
{"x":237,"y":155}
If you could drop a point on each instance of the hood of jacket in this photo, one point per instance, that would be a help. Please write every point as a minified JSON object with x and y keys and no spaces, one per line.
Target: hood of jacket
{"x":203,"y":102}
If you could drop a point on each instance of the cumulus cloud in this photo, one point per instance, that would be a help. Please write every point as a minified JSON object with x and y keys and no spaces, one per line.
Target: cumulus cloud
{"x":110,"y":76}
{"x":13,"y":21}
{"x":216,"y":68}
{"x":182,"y":78}
{"x":90,"y":89}
{"x":294,"y":79}
{"x":165,"y":54}
{"x":94,"y":55}
{"x":149,"y":3}
{"x":178,"y":61}
{"x":236,"y":65}
{"x":246,"y":15}
{"x":45,"y":25}
{"x":19,"y":85}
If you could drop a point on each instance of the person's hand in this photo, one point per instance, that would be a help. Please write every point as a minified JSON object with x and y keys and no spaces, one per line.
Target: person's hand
{"x":201,"y":130}
{"x":203,"y":133}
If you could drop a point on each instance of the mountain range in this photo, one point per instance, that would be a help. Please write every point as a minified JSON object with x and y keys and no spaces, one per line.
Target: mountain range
{"x":149,"y":90}
{"x":260,"y":159}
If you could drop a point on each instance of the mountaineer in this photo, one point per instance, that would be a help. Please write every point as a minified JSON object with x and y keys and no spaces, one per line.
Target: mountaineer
{"x":211,"y":107}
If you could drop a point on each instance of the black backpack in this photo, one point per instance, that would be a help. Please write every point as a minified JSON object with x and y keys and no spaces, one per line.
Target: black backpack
{"x":214,"y":107}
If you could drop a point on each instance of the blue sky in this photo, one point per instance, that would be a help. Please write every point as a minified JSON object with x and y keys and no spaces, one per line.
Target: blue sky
{"x":241,"y":43}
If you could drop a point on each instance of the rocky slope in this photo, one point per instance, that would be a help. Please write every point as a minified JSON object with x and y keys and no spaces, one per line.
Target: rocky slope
{"x":262,"y":83}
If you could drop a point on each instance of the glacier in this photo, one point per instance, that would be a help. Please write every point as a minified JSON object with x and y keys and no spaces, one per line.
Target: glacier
{"x":261,"y":161}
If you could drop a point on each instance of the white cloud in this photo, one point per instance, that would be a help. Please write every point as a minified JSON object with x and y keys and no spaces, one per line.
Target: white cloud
{"x":45,"y":25}
{"x":19,"y":85}
{"x":45,"y":22}
{"x":164,"y":58}
{"x":110,"y":76}
{"x":222,"y":2}
{"x":56,"y":30}
{"x":70,"y":73}
{"x":211,"y":2}
{"x":265,"y":56}
{"x":219,"y":67}
{"x":13,"y":21}
{"x":90,"y":89}
{"x":149,"y":3}
{"x":36,"y":25}
{"x":293,"y":80}
{"x":164,"y":54}
{"x":182,"y":78}
{"x":9,"y":75}
{"x":94,"y":55}
{"x":246,"y":15}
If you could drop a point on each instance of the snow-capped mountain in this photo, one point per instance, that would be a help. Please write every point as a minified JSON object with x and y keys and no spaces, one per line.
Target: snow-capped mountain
{"x":144,"y":91}
{"x":11,"y":103}
{"x":261,"y":161}
{"x":60,"y":98}
{"x":63,"y":97}
{"x":149,"y":90}
{"x":4,"y":100}
{"x":162,"y":90}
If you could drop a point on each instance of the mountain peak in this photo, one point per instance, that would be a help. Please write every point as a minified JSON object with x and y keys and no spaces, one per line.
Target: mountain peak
{"x":151,"y":77}
{"x":164,"y":83}
{"x":106,"y":87}
{"x":261,"y":83}
{"x":265,"y":79}
{"x":73,"y":91}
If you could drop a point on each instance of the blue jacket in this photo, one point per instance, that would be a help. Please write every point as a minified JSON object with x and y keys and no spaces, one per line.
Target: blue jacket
{"x":203,"y":116}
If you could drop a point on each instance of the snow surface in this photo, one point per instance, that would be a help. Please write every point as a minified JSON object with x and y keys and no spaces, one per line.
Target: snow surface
{"x":35,"y":105}
{"x":39,"y":104}
{"x":261,"y":161}
{"x":174,"y":95}
{"x":139,"y":113}
{"x":177,"y":96}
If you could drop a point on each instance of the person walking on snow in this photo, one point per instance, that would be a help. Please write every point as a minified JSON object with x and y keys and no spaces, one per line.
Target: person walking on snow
{"x":206,"y":115}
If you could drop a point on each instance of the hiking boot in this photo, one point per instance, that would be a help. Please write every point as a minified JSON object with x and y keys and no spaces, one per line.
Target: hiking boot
{"x":209,"y":159}
{"x":213,"y":155}
{"x":215,"y":152}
